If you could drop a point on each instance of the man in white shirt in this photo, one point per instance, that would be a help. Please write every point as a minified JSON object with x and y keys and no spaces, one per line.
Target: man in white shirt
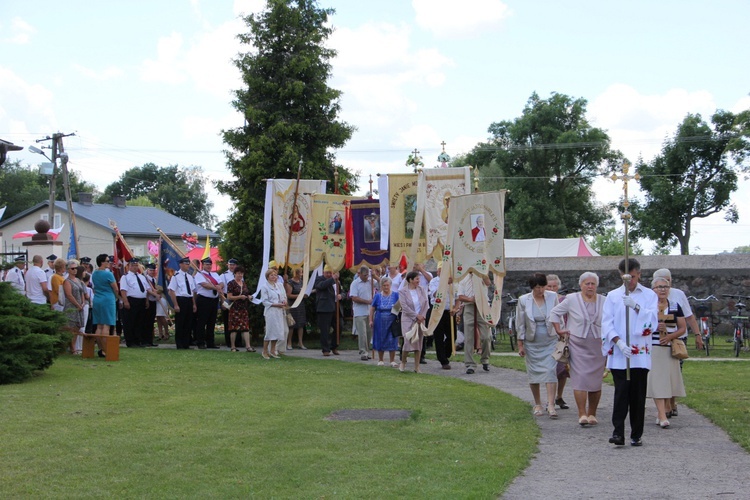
{"x":37,"y":290}
{"x":209,"y":290}
{"x":361,"y":295}
{"x":639,"y":305}
{"x":182,"y":290}
{"x":443,"y":331}
{"x":424,"y":278}
{"x":50,"y":269}
{"x":15,"y":276}
{"x":133,"y":291}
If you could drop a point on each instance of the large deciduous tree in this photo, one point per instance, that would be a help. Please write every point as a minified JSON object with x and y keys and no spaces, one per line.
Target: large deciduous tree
{"x":291,"y":115}
{"x":693,"y":177}
{"x":22,"y":187}
{"x":179,"y":191}
{"x":548,"y":158}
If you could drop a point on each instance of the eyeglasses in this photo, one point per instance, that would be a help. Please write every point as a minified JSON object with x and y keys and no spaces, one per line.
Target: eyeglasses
{"x":661,"y":287}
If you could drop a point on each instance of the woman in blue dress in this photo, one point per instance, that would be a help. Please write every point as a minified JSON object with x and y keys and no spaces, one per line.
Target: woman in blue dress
{"x":105,"y":293}
{"x":381,"y":319}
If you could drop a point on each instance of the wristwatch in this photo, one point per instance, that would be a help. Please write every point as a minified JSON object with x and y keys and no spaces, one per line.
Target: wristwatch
{"x":637,"y":308}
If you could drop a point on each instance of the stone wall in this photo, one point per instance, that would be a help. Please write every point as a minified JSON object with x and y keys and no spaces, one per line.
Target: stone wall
{"x":697,"y":275}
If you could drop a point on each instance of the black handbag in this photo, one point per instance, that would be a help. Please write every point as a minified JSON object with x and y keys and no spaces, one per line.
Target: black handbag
{"x":396,"y":325}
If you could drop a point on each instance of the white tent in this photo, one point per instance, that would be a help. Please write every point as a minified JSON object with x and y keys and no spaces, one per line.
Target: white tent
{"x":548,"y":247}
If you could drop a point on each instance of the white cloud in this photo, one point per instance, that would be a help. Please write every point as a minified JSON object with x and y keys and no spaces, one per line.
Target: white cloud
{"x":21,"y":99}
{"x":376,"y":67}
{"x":247,"y":7}
{"x":20,"y":31}
{"x":168,"y":66}
{"x":741,"y":105}
{"x":467,"y":18}
{"x":107,"y":73}
{"x":638,"y":123}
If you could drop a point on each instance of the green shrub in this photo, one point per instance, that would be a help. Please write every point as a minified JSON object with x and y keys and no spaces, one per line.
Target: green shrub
{"x":31,"y":336}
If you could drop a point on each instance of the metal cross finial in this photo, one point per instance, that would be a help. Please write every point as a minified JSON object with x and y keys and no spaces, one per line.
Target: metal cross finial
{"x":625,"y":178}
{"x":443,"y":144}
{"x":415,"y":153}
{"x":625,"y":216}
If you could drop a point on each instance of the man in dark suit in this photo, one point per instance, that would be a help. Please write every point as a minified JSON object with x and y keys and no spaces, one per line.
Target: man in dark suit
{"x":325,"y":305}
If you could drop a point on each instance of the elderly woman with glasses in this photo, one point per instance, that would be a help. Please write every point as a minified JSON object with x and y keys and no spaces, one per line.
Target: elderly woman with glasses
{"x":75,"y":298}
{"x":665,"y":377}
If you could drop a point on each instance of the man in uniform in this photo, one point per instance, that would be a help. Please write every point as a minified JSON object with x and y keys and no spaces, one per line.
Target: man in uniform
{"x":15,"y":276}
{"x":210,"y":290}
{"x":640,"y":306}
{"x":133,"y":288}
{"x":182,"y":290}
{"x":50,"y":269}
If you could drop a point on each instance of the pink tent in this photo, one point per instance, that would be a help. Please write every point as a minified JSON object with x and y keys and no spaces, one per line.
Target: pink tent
{"x":548,"y":247}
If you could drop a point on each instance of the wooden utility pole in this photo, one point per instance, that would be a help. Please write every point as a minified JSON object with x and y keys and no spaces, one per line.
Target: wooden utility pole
{"x":56,"y":143}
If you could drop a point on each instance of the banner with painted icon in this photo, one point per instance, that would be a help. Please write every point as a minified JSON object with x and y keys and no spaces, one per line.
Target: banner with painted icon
{"x":364,"y":239}
{"x":435,"y":188}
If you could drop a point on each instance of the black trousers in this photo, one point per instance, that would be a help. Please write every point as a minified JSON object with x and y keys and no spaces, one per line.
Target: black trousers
{"x":134,"y":321}
{"x":325,"y":323}
{"x":630,"y":396}
{"x":205,"y":322}
{"x":149,"y":337}
{"x":442,"y":336}
{"x":183,"y":322}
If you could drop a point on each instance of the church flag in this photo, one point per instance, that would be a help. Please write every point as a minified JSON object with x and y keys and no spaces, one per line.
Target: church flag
{"x":435,"y":187}
{"x":474,"y":248}
{"x":169,"y":263}
{"x":402,"y":206}
{"x":283,"y":211}
{"x":328,"y":231}
{"x":365,"y":235}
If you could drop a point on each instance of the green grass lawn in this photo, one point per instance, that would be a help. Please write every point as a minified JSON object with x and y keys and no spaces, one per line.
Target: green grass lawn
{"x":176,"y":424}
{"x":719,"y":390}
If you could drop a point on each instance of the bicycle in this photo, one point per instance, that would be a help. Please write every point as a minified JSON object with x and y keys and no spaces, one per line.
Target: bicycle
{"x":740,"y":330}
{"x":511,"y":302}
{"x":703,"y":310}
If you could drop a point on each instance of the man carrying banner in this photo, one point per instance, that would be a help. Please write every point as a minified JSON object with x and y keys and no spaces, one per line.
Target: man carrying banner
{"x":326,"y":297}
{"x":474,"y":324}
{"x":209,"y":289}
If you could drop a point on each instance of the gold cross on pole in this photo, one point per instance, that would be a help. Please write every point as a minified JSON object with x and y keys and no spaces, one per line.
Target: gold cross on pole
{"x":626,"y":216}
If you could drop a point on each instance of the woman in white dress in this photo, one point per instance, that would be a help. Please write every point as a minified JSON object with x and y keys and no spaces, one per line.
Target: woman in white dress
{"x":273,"y":296}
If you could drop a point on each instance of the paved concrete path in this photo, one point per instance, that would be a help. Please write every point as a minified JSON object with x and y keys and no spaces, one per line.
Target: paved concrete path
{"x":691,"y":459}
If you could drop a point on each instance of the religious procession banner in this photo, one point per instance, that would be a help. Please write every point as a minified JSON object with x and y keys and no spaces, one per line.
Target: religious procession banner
{"x":400,"y":201}
{"x":435,"y":187}
{"x":364,"y":240}
{"x":292,"y":219}
{"x":327,"y":233}
{"x":474,"y":249}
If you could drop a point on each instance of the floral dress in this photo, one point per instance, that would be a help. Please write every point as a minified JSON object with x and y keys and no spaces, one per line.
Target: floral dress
{"x":239,"y":319}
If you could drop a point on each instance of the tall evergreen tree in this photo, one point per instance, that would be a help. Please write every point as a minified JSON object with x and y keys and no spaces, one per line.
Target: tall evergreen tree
{"x":291,"y":115}
{"x":548,"y":159}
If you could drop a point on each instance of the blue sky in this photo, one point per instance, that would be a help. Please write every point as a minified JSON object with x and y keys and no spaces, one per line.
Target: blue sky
{"x":151,"y":81}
